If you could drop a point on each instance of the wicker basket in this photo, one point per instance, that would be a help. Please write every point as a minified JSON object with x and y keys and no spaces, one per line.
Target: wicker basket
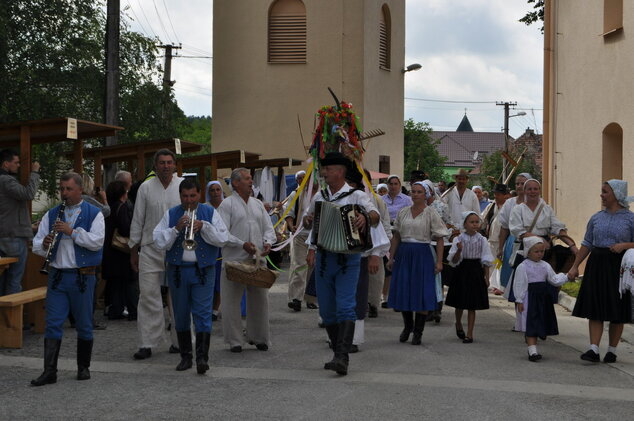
{"x":260,"y":276}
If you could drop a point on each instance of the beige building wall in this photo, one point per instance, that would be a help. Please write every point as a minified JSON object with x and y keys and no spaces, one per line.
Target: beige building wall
{"x":590,"y":88}
{"x":256,"y":104}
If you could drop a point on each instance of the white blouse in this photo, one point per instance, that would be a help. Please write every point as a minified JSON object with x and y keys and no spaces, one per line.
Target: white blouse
{"x":529,"y":272}
{"x":423,"y":228}
{"x":473,"y":247}
{"x":522,"y":218}
{"x":505,"y":213}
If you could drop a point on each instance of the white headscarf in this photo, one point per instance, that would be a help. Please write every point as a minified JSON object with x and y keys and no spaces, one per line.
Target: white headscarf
{"x":425,"y":187}
{"x":530,"y":242}
{"x":477,"y":187}
{"x":207,"y":198}
{"x":525,"y":175}
{"x":430,"y":187}
{"x":394,"y":176}
{"x":465,"y":215}
{"x":619,"y":187}
{"x":381,"y":186}
{"x":299,"y":174}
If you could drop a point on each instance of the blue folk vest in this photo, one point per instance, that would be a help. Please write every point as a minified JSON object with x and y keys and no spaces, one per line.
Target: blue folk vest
{"x":83,"y":256}
{"x":206,"y":254}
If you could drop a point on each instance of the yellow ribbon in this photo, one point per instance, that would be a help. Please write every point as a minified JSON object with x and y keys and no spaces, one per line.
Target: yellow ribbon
{"x":365,"y":178}
{"x":291,"y":205}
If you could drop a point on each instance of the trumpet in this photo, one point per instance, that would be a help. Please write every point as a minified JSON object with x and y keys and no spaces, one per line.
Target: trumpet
{"x":56,"y":236}
{"x":189,"y":243}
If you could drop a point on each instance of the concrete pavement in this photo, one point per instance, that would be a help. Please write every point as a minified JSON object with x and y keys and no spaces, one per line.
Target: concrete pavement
{"x":489,"y":379}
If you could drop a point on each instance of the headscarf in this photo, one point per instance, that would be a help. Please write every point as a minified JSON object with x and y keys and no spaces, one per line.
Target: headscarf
{"x":207,"y":198}
{"x":525,"y":175}
{"x":465,"y":215}
{"x":530,"y":242}
{"x":299,"y":174}
{"x":425,"y":187}
{"x":381,"y":186}
{"x":394,"y":176}
{"x":532,"y":179}
{"x":430,"y":187}
{"x":477,"y":187}
{"x":619,"y":187}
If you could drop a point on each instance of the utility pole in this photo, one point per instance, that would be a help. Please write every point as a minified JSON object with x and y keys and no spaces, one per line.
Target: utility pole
{"x":167,"y":76}
{"x":507,"y":106}
{"x":112,"y":76}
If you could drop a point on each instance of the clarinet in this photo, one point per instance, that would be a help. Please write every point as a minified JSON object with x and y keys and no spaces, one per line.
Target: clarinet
{"x":56,"y":235}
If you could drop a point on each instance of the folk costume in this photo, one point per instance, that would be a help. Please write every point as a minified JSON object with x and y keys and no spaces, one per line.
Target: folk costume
{"x":71,"y":283}
{"x":191,"y":278}
{"x":299,"y":273}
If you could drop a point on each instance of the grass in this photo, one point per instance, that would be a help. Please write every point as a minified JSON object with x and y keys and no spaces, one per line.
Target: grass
{"x":572,"y":288}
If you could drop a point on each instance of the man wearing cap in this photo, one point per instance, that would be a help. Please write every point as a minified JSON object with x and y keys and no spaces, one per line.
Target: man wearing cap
{"x":337,"y":274}
{"x":461,"y":199}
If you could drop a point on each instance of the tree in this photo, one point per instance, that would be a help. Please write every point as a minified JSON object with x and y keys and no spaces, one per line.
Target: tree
{"x":421,"y":150}
{"x":492,"y":167}
{"x":537,"y":15}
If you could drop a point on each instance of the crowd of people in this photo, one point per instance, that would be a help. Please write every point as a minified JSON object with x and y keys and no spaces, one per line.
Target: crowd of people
{"x":163,"y":254}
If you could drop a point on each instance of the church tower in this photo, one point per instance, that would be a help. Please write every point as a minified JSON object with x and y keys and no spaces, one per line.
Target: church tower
{"x":274,"y":60}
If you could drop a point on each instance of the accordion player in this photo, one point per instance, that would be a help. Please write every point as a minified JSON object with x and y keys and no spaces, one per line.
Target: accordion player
{"x":334,"y":229}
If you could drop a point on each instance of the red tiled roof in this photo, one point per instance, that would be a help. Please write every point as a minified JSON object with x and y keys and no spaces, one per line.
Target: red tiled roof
{"x":460,"y":147}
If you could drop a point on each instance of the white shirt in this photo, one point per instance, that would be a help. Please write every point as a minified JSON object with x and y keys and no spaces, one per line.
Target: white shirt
{"x":65,"y":255}
{"x":422,"y":229}
{"x":504,"y":215}
{"x":152,"y":201}
{"x":522,"y":218}
{"x":214,"y":233}
{"x":531,"y":272}
{"x":473,"y":247}
{"x":457,"y":205}
{"x":246,"y":222}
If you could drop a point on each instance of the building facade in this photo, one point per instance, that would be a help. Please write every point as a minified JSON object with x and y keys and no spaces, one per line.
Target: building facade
{"x":274,"y":60}
{"x":588,"y":104}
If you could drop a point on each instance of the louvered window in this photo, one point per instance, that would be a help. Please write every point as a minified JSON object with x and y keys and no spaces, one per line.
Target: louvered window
{"x":287,"y":32}
{"x":384,"y":38}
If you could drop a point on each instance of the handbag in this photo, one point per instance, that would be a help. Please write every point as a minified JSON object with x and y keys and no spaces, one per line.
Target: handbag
{"x":119,"y":242}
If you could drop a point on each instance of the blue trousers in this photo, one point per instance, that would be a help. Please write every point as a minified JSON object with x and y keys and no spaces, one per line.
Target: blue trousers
{"x":65,"y":293}
{"x":336,"y":277}
{"x":11,"y":279}
{"x":191,"y":296}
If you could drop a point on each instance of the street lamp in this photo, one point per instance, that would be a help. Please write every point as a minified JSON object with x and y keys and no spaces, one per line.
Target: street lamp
{"x":411,"y":68}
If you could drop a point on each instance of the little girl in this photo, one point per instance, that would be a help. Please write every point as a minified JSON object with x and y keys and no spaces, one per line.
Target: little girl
{"x":533,"y":297}
{"x":471,"y":255}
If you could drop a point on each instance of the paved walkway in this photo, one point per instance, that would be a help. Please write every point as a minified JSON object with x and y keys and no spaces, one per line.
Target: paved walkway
{"x":489,"y":379}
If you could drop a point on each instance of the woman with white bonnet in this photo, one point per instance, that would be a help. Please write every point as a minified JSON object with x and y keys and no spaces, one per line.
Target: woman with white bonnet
{"x":610,"y":232}
{"x":381,"y":189}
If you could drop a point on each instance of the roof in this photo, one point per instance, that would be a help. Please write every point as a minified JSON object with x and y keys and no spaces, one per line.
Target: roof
{"x":460,"y":147}
{"x":53,"y":130}
{"x":465,"y":125}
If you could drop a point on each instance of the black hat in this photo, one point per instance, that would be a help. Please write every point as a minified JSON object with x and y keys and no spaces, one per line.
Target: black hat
{"x":335,"y":158}
{"x":500,"y":188}
{"x":353,"y":175}
{"x":418,"y":175}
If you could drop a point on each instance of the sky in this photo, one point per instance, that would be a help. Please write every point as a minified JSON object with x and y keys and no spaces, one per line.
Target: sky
{"x":474,"y":53}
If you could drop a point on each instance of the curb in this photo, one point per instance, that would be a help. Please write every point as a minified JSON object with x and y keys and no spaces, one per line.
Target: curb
{"x":566,"y":301}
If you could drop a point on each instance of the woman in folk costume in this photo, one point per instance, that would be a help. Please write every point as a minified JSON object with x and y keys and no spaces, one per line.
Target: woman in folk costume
{"x":414,"y":266}
{"x":491,"y":228}
{"x":471,"y":255}
{"x":609,"y":234}
{"x":532,"y":295}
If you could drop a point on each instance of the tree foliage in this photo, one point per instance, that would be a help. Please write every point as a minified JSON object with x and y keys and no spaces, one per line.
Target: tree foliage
{"x":421,"y":150}
{"x":492,"y":167}
{"x":536,"y":15}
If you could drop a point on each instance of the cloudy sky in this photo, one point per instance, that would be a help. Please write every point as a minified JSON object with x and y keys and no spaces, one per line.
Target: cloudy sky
{"x":473,"y":52}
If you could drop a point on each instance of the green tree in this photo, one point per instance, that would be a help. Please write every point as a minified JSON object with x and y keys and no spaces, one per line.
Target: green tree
{"x":492,"y":167}
{"x":421,"y":151}
{"x":536,"y":15}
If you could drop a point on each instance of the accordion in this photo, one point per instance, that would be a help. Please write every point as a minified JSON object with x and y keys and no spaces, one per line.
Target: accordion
{"x":334,"y":230}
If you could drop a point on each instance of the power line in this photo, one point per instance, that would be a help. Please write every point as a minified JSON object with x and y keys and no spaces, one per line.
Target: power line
{"x":210,"y":57}
{"x":450,"y":101}
{"x":158,"y":15}
{"x":147,"y":20}
{"x":170,"y":21}
{"x":196,"y":49}
{"x":137,"y":20}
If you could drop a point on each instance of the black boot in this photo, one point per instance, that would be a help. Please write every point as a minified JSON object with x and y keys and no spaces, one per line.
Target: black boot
{"x":408,"y":323}
{"x":84,"y":353}
{"x":202,"y":351}
{"x":185,"y":345}
{"x":51,"y":353}
{"x":344,"y":342}
{"x":419,"y":326}
{"x":332,"y":336}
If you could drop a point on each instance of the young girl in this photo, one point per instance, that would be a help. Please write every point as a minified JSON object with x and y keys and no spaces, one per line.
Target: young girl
{"x":533,"y":297}
{"x":471,"y":255}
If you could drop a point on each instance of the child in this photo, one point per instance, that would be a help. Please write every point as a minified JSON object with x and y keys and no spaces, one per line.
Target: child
{"x":533,"y":297}
{"x":469,"y":253}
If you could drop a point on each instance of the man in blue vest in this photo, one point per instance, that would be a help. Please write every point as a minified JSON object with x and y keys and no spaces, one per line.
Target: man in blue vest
{"x":190,"y":268}
{"x":79,"y":232}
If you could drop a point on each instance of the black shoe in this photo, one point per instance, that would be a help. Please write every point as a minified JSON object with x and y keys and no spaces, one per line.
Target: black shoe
{"x":437,"y":317}
{"x":202,"y":351}
{"x":321,"y":324}
{"x":262,"y":347}
{"x":354,"y":349}
{"x":97,"y":326}
{"x":419,"y":326}
{"x":534,"y":357}
{"x":311,"y":306}
{"x":185,"y":346}
{"x":408,"y":325}
{"x":143,"y":353}
{"x":467,"y":340}
{"x":591,"y":356}
{"x":609,"y":358}
{"x":236,"y":349}
{"x":51,"y":353}
{"x":214,"y":317}
{"x":344,"y":342}
{"x":84,"y":354}
{"x":373,"y":312}
{"x":460,"y":333}
{"x":174,"y":350}
{"x":333,"y":331}
{"x":295,"y":305}
{"x":384,"y":304}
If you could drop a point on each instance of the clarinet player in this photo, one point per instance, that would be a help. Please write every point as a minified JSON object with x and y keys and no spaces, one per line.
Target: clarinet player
{"x":77,"y":234}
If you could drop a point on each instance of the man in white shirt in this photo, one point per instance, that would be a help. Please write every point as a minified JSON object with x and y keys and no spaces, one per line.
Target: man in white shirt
{"x":250,"y":229}
{"x":461,"y":199}
{"x":75,"y":235}
{"x":192,"y":241}
{"x":337,"y":274}
{"x":154,"y":198}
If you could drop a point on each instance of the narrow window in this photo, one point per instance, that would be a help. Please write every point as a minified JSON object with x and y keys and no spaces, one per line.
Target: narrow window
{"x":612,"y":160}
{"x":287,"y":32}
{"x":384,"y":164}
{"x":385,"y":37}
{"x":612,"y":16}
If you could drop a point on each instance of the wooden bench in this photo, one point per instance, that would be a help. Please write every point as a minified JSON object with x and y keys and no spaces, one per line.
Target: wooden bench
{"x":11,"y":311}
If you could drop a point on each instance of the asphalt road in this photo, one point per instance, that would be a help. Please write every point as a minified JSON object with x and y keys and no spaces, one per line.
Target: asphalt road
{"x":444,"y":378}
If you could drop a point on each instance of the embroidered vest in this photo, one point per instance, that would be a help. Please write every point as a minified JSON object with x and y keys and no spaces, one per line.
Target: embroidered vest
{"x":206,"y":254}
{"x":83,"y":256}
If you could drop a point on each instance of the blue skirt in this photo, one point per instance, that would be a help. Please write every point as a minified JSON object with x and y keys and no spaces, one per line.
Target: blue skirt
{"x":541,"y":320}
{"x":505,"y":273}
{"x":413,"y":285}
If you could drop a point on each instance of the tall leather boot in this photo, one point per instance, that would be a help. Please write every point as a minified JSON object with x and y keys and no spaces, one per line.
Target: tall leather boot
{"x":419,"y":326}
{"x":51,"y":353}
{"x":408,"y":323}
{"x":84,"y":354}
{"x":202,"y":351}
{"x":185,"y":345}
{"x":332,"y":331}
{"x":344,"y":342}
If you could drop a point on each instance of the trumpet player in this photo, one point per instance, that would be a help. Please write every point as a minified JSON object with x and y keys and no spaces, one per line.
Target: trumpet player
{"x":77,"y":236}
{"x":191,"y":234}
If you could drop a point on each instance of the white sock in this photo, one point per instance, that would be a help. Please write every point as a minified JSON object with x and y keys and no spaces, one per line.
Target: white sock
{"x":595,"y":348}
{"x":532,"y":349}
{"x":612,"y":349}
